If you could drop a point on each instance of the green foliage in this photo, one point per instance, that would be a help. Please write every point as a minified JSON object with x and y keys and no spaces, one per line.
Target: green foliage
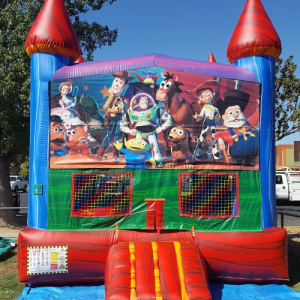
{"x":287,"y":92}
{"x":17,"y":16}
{"x":24,"y":171}
{"x":14,"y":80}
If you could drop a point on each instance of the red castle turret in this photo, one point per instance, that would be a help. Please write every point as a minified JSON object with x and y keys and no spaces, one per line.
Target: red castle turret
{"x":52,"y":32}
{"x":254,"y":34}
{"x":211,"y":58}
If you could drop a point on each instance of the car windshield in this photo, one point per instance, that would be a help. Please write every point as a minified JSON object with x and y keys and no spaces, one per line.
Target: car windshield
{"x":13,"y":178}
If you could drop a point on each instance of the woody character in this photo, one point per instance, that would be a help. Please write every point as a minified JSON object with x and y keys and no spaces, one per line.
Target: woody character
{"x":115,"y":107}
{"x":241,"y":135}
{"x":209,"y":114}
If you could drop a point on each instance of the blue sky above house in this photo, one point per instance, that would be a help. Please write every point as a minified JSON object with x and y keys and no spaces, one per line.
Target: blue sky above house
{"x":190,"y":29}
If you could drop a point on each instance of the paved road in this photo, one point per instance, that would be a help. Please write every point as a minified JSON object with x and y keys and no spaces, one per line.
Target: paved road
{"x":289,"y":207}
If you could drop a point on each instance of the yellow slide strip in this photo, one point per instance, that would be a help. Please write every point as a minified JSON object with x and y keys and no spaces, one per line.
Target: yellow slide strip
{"x":158,"y":294}
{"x":132,"y":272}
{"x":184,"y":295}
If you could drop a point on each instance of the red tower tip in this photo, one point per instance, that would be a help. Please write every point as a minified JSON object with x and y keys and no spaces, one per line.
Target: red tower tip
{"x":79,"y":60}
{"x":53,"y":32}
{"x":211,"y":58}
{"x":254,"y":34}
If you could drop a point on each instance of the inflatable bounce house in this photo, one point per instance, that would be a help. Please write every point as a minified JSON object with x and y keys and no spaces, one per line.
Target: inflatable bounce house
{"x":153,"y":174}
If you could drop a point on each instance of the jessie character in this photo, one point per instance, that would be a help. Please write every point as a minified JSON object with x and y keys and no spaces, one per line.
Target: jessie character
{"x":209,"y":113}
{"x":241,"y":135}
{"x":56,"y":136}
{"x":77,"y":137}
{"x":115,"y":107}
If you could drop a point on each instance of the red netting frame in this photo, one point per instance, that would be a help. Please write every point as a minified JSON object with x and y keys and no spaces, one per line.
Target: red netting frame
{"x":204,"y":200}
{"x":109,"y":195}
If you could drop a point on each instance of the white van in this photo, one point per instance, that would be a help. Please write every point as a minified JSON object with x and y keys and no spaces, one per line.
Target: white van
{"x":287,"y":184}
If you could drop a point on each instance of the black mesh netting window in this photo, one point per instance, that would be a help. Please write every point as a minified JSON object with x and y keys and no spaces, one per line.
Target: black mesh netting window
{"x":101,"y":194}
{"x":208,"y":195}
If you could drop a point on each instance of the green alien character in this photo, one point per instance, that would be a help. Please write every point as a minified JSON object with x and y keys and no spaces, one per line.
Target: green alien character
{"x":136,"y":153}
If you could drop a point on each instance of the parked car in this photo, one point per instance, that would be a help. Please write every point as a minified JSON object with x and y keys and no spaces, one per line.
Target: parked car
{"x":287,"y":184}
{"x":18,"y":183}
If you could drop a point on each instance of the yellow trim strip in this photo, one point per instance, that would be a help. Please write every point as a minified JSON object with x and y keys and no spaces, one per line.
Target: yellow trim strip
{"x":132,"y":272}
{"x":193,"y":230}
{"x":45,"y":48}
{"x":184,"y":295}
{"x":116,"y":229}
{"x":158,"y":294}
{"x":155,"y":199}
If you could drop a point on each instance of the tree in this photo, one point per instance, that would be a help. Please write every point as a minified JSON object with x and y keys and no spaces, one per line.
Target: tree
{"x":24,"y":171}
{"x":17,"y":17}
{"x":287,"y":92}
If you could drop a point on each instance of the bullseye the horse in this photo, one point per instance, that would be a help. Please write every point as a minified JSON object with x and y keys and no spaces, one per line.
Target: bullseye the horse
{"x":168,"y":94}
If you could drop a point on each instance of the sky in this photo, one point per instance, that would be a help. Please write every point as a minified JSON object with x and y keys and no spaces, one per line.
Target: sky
{"x":190,"y":29}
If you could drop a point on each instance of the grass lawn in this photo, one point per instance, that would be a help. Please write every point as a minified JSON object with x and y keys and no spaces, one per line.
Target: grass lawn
{"x":9,"y":281}
{"x":11,"y":289}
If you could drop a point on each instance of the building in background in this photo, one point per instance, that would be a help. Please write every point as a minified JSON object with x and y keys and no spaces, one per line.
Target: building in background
{"x":297,"y":153}
{"x":288,"y":155}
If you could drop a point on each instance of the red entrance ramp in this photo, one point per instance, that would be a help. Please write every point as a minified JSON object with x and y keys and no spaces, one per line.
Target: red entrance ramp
{"x":156,"y":270}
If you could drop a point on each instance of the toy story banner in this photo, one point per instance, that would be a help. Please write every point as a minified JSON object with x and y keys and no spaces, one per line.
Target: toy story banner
{"x":154,"y":118}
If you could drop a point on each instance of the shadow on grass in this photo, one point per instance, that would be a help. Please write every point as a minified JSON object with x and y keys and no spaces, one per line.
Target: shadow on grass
{"x":10,"y":257}
{"x":294,"y":263}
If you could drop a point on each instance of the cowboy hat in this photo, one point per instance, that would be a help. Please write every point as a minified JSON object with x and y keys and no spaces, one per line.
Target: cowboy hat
{"x":232,"y":98}
{"x":123,"y":74}
{"x":207,"y":85}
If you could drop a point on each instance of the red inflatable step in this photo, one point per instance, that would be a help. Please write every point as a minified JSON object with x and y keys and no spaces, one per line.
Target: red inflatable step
{"x":156,"y":270}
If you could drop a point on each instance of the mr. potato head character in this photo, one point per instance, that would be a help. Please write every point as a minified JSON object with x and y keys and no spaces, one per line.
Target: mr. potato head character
{"x":77,"y":137}
{"x":241,"y":135}
{"x":57,"y":141}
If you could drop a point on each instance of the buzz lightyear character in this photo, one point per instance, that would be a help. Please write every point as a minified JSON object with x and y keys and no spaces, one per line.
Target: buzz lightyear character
{"x":135,"y":153}
{"x":145,"y":116}
{"x":209,"y":114}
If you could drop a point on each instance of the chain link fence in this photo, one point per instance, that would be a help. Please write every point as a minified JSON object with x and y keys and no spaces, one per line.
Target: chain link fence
{"x":291,"y":222}
{"x":13,"y":219}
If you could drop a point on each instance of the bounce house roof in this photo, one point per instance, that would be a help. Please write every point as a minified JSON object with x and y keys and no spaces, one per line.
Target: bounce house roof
{"x":154,"y":60}
{"x":254,"y":34}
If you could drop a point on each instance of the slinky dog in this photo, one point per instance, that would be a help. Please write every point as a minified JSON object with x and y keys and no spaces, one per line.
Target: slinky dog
{"x":179,"y":140}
